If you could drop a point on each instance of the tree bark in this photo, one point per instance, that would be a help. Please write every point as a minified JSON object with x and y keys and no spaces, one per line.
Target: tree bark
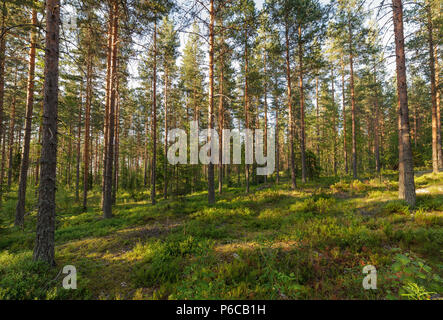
{"x":20,"y":208}
{"x":44,"y":244}
{"x":406,"y":168}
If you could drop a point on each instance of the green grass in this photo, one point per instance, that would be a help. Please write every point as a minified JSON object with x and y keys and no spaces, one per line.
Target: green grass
{"x":274,"y":243}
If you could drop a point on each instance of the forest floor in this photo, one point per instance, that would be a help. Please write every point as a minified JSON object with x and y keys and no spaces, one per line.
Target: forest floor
{"x":273,"y":243}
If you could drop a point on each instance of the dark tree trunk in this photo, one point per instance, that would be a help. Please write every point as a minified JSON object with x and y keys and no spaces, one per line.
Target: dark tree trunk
{"x":406,"y":167}
{"x":20,"y":209}
{"x":107,"y":199}
{"x":44,"y":244}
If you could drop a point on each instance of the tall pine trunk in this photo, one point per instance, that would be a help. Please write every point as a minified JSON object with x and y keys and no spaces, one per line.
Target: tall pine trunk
{"x":406,"y":167}
{"x":290,"y":115}
{"x":44,"y":244}
{"x":353,"y":108}
{"x":435,"y":146}
{"x":107,"y":199}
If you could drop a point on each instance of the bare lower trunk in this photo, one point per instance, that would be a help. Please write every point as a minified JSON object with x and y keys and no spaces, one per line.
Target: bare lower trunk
{"x":406,"y":168}
{"x":44,"y":244}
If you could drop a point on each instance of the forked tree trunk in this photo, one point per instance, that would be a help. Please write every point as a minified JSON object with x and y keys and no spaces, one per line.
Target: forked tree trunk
{"x":20,"y":208}
{"x":44,"y":244}
{"x":406,"y":168}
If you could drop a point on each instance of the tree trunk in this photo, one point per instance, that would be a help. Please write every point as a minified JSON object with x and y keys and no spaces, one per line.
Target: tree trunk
{"x":353,"y":111}
{"x":115,"y":176}
{"x":20,"y":208}
{"x":211,"y":189}
{"x":79,"y":132}
{"x":2,"y":67}
{"x":334,"y":124}
{"x":87,"y":130}
{"x":302,"y":109}
{"x":345,"y":147}
{"x":11,"y":132}
{"x":290,"y":116}
{"x":435,"y":146}
{"x":154,"y":120}
{"x":376,"y":127}
{"x":107,"y":94}
{"x":165,"y":165}
{"x":44,"y":244}
{"x":107,"y":199}
{"x":437,"y":82}
{"x":221,"y":114}
{"x":406,"y":168}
